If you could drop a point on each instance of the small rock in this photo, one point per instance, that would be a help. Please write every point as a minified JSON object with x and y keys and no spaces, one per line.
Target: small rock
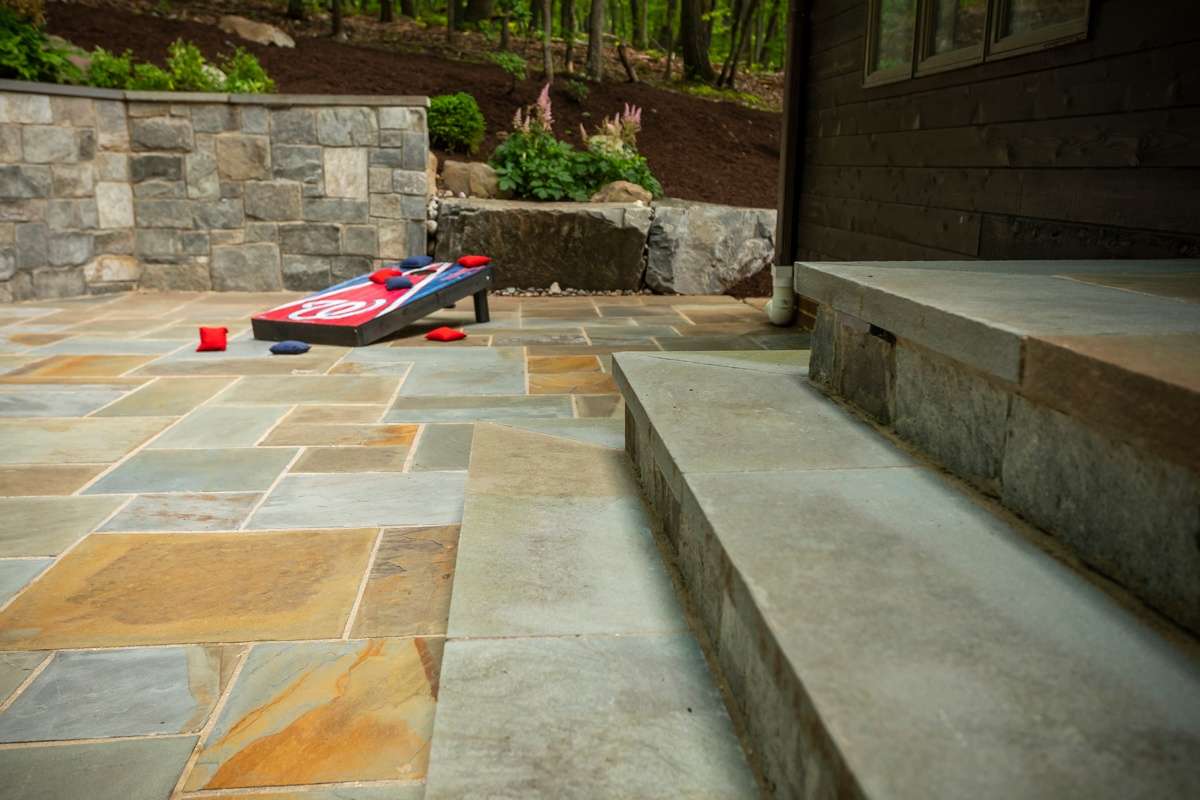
{"x":471,"y":178}
{"x":257,"y":32}
{"x":622,"y":192}
{"x":555,"y":289}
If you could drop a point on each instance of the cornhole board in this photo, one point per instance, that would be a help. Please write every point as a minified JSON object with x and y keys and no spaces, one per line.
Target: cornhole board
{"x":358,"y":311}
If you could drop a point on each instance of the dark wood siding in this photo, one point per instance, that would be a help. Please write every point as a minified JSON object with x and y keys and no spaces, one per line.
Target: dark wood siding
{"x":1088,"y":150}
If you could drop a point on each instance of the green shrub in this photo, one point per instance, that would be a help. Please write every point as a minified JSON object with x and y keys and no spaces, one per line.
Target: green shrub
{"x":532,"y":163}
{"x":537,"y":166}
{"x":456,"y":123}
{"x":110,"y":71}
{"x":244,"y":75}
{"x":189,"y":71}
{"x":577,"y":90}
{"x":26,"y":54}
{"x":149,"y":78}
{"x":513,"y":66}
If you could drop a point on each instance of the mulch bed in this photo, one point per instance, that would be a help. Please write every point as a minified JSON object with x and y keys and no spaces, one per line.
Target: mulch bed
{"x":700,"y":150}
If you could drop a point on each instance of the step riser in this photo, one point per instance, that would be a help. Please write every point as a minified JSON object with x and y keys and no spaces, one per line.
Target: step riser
{"x":786,"y":736}
{"x":1121,"y":506}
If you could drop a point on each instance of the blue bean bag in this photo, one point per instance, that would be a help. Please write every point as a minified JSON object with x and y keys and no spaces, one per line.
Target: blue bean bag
{"x":412,"y":262}
{"x":399,"y":282}
{"x":289,"y":348}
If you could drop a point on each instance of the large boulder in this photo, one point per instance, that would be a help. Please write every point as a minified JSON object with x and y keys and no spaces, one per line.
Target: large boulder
{"x":471,"y":178}
{"x":621,"y":192}
{"x":699,"y":248}
{"x":592,"y":246}
{"x":257,"y":32}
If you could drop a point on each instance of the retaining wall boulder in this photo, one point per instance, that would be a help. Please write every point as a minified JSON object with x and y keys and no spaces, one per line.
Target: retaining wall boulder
{"x":700,"y":248}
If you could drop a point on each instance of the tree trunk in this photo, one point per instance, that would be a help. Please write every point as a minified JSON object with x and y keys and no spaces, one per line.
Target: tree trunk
{"x":567,"y":22}
{"x":451,"y":8}
{"x":643,"y":41}
{"x":548,"y":27}
{"x":408,"y":8}
{"x":478,"y":10}
{"x":596,"y":42}
{"x":696,"y":65}
{"x":668,"y":36}
{"x":504,"y":44}
{"x":295,"y":9}
{"x":630,"y":74}
{"x":385,"y":10}
{"x":336,"y":14}
{"x":772,"y":26}
{"x":637,"y":9}
{"x":740,"y":44}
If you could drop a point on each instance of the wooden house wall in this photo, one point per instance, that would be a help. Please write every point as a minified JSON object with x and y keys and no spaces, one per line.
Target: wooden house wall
{"x":1086,"y":150}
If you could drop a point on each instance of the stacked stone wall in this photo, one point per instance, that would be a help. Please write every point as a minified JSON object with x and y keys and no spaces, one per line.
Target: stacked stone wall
{"x":104,"y":191}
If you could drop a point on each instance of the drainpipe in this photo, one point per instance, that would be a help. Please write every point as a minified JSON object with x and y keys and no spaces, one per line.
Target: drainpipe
{"x":782,"y":307}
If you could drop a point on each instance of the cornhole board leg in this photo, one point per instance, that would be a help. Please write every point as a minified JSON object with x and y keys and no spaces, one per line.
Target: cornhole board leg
{"x":379,"y":327}
{"x":481,"y":307}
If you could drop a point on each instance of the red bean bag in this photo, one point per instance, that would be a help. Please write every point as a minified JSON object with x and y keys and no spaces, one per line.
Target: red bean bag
{"x":474,"y":261}
{"x":212,"y":339}
{"x":382,"y":275}
{"x":444,"y":334}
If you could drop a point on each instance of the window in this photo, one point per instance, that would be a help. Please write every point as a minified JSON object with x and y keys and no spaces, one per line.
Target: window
{"x":910,"y":38}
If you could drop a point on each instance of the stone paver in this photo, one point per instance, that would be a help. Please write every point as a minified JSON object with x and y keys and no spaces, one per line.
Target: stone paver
{"x":275,"y":540}
{"x":325,"y":712}
{"x":107,"y":693}
{"x":135,"y":769}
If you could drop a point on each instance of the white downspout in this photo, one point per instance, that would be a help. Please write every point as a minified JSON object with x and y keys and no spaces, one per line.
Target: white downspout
{"x":782,"y":307}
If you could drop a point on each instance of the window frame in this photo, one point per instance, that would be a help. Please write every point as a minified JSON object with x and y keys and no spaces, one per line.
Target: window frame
{"x":995,"y":46}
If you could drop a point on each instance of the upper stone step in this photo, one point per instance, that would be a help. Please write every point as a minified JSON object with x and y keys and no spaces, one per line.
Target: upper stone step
{"x":1068,"y":389}
{"x":886,"y":632}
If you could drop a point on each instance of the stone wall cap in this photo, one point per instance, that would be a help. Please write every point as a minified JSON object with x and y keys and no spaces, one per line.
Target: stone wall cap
{"x":60,"y":90}
{"x":64,"y":90}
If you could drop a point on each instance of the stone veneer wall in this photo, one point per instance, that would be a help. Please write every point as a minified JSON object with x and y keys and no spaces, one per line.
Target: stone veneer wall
{"x":105,"y":191}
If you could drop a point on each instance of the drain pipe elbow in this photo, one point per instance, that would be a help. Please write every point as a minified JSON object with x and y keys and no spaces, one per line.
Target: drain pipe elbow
{"x":782,"y":308}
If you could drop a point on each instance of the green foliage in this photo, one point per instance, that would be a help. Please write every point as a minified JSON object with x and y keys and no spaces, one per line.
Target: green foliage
{"x":110,"y":71}
{"x":26,"y":54}
{"x":725,"y":95}
{"x":513,"y":66}
{"x":600,"y":165}
{"x":456,"y":123}
{"x":576,"y":89}
{"x":532,"y":163}
{"x":187,"y":71}
{"x":537,"y":166}
{"x":149,"y":78}
{"x":244,"y":75}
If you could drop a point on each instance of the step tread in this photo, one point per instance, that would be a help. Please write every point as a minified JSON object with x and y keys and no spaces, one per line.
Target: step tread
{"x":944,"y":654}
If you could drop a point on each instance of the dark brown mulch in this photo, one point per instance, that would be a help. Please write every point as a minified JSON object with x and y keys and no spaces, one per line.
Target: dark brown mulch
{"x":700,"y":150}
{"x":757,"y":285}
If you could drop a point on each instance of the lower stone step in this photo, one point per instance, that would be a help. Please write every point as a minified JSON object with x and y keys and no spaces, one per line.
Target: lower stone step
{"x":885,"y":632}
{"x":569,"y":669}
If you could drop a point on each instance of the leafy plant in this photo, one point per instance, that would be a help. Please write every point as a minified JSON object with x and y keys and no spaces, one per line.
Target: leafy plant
{"x":26,"y":54}
{"x":456,"y":123}
{"x":513,"y":66}
{"x":577,"y":90}
{"x":244,"y":75}
{"x":149,"y":78}
{"x":109,"y":70}
{"x":189,"y":71}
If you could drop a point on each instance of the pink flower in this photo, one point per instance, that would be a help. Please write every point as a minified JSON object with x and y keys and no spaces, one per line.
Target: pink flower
{"x":545,"y":115}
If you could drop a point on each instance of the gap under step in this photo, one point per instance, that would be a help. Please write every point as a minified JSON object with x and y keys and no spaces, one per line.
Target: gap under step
{"x":886,"y":632}
{"x":569,"y":669}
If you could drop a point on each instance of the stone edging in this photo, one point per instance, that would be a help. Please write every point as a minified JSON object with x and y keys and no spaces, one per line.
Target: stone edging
{"x":274,"y":100}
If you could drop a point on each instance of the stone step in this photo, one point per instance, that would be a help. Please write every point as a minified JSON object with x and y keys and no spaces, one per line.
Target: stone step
{"x":569,"y":669}
{"x":885,"y":631}
{"x":1070,"y":390}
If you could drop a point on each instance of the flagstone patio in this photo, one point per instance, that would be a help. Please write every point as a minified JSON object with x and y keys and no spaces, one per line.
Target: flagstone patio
{"x":236,"y":571}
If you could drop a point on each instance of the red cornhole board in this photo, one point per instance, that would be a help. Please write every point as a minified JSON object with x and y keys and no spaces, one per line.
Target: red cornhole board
{"x":358,"y":312}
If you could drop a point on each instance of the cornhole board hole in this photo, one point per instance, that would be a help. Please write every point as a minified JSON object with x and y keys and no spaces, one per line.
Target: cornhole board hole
{"x":358,"y":311}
